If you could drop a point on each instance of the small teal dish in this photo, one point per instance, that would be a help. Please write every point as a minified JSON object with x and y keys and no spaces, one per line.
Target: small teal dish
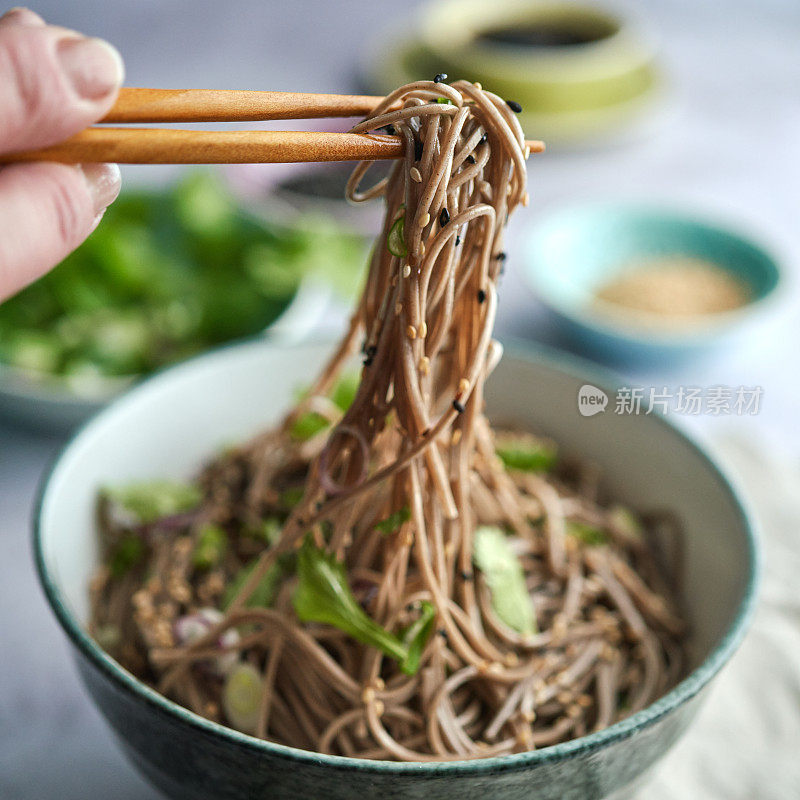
{"x":575,"y":251}
{"x":168,"y":425}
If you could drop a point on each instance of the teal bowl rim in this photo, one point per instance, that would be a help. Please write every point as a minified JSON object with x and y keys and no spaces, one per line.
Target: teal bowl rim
{"x":677,"y":696}
{"x":615,"y":325}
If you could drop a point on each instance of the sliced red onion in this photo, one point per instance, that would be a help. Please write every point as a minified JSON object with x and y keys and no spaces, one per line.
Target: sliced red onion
{"x":190,"y":627}
{"x":328,"y":484}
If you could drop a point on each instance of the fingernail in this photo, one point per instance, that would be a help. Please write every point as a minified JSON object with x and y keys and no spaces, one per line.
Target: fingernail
{"x":104,"y":181}
{"x":22,"y":16}
{"x":93,"y":66}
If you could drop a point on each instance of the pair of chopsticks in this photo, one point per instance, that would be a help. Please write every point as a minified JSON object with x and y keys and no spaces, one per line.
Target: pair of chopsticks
{"x":173,"y":146}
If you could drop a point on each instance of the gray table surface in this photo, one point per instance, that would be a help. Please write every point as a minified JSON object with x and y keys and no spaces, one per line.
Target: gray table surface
{"x":728,"y":144}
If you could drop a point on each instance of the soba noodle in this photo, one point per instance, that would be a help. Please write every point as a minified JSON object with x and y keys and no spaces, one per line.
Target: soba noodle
{"x":397,"y":490}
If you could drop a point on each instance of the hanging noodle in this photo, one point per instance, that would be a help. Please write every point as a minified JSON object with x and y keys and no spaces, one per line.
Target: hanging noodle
{"x":414,"y":443}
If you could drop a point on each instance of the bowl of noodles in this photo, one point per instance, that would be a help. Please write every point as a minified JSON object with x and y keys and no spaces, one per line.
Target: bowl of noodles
{"x":405,"y":565}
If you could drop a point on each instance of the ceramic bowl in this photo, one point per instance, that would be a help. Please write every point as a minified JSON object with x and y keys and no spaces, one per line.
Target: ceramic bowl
{"x":580,"y":93}
{"x":572,"y":252}
{"x":168,"y":425}
{"x":51,"y":404}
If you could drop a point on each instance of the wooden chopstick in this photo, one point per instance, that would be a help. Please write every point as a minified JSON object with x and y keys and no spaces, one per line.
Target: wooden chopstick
{"x":232,"y":105}
{"x":173,"y":146}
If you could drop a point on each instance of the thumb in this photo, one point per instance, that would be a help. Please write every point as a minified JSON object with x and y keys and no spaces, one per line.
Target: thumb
{"x":53,"y":81}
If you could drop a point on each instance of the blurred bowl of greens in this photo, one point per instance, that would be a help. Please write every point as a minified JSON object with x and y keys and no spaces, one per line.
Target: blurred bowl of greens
{"x":167,"y":274}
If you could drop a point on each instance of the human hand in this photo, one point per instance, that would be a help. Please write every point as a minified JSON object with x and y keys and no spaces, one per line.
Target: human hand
{"x":53,"y":83}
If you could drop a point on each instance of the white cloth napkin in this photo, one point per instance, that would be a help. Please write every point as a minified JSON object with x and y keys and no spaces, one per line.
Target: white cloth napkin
{"x":745,"y":743}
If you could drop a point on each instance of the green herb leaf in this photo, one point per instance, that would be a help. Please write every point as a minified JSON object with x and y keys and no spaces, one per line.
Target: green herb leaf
{"x":212,"y":542}
{"x":308,"y":425}
{"x":588,"y":534}
{"x":345,"y":390}
{"x":128,"y":552}
{"x":264,"y":594}
{"x":533,"y":456}
{"x":416,"y":637}
{"x":396,"y":242}
{"x":323,"y":595}
{"x":266,"y":531}
{"x":155,"y":499}
{"x":393,"y":522}
{"x":291,"y":497}
{"x":503,"y":573}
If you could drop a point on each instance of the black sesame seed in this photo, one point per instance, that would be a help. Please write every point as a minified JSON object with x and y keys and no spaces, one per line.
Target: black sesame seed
{"x":481,"y":296}
{"x":440,"y":77}
{"x":471,"y":159}
{"x":501,"y":256}
{"x":458,"y":406}
{"x":444,"y":217}
{"x":458,"y":240}
{"x":483,"y":139}
{"x":514,"y":106}
{"x":417,"y":149}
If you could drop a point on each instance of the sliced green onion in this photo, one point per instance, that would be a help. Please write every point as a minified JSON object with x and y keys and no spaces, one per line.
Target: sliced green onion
{"x":505,"y":578}
{"x":212,"y":542}
{"x":626,"y":522}
{"x":528,"y":456}
{"x":152,"y":500}
{"x":396,"y":241}
{"x":108,"y":636}
{"x":307,"y":426}
{"x":241,"y":697}
{"x":394,"y":521}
